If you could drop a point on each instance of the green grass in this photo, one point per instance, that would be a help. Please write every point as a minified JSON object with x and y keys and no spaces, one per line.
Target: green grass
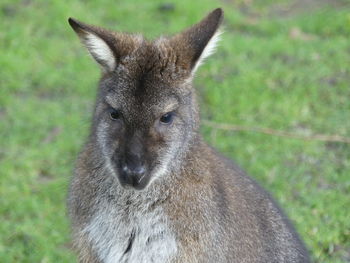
{"x":263,"y":75}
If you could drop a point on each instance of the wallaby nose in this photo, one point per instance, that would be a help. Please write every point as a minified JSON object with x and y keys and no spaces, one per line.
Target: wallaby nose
{"x":134,"y":177}
{"x":132,"y":171}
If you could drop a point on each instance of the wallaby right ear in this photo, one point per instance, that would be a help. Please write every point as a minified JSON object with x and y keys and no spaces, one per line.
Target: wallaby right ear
{"x":98,"y":41}
{"x":198,"y":42}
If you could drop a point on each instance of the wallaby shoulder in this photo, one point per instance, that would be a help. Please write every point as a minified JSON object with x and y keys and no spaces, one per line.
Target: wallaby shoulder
{"x":220,"y":203}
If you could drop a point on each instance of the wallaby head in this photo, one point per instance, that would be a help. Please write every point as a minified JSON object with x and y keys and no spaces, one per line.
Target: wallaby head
{"x":146,"y":112}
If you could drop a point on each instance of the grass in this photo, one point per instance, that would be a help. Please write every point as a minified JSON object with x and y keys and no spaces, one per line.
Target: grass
{"x":284,"y":66}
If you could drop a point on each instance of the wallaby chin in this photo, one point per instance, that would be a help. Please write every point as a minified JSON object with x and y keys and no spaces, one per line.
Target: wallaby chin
{"x":146,"y":187}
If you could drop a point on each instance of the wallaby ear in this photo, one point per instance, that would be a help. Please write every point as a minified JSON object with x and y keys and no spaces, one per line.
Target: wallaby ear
{"x":98,"y":41}
{"x":198,"y":42}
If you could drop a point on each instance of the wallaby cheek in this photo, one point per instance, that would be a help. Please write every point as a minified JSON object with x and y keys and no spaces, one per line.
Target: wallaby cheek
{"x":168,"y":142}
{"x":154,"y":150}
{"x":108,"y":137}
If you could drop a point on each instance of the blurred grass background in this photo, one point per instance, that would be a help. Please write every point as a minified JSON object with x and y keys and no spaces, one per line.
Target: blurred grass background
{"x":282,"y":65}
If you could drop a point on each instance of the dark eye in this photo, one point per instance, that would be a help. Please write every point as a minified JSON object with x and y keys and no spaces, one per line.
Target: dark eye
{"x":167,"y":118}
{"x":114,"y":114}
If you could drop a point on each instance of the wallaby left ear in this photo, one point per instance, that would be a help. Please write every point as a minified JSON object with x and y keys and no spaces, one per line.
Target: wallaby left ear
{"x":98,"y":41}
{"x":198,"y":42}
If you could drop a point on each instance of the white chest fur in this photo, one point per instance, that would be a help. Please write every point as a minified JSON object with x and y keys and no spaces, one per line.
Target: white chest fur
{"x":122,"y":236}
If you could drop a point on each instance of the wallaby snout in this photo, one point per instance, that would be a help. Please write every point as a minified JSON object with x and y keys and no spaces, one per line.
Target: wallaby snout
{"x":134,"y":176}
{"x":131,"y":161}
{"x":132,"y":166}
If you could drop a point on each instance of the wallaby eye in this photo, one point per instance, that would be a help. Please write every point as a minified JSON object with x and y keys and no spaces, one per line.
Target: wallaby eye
{"x":167,"y":118}
{"x":114,"y":114}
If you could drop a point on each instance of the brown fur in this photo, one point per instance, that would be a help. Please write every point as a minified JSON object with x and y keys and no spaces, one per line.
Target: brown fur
{"x":212,"y":209}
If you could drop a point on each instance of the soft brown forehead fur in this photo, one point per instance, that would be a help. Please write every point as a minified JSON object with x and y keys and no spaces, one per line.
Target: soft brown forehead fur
{"x":154,"y":61}
{"x":149,"y":79}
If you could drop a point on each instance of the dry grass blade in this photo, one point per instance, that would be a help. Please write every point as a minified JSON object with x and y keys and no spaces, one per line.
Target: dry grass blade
{"x":314,"y":137}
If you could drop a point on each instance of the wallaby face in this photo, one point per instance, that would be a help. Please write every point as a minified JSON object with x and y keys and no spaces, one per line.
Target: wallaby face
{"x":146,"y":109}
{"x":139,"y":119}
{"x":146,"y":187}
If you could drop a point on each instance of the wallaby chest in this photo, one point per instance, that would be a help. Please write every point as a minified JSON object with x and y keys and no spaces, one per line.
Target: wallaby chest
{"x":128,"y":234}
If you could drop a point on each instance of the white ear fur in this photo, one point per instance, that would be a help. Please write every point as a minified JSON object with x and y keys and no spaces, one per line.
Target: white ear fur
{"x":99,"y":49}
{"x":209,"y":49}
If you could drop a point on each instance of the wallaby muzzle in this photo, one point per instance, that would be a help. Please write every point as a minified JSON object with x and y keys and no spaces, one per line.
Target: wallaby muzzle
{"x":133,"y":173}
{"x":132,"y":169}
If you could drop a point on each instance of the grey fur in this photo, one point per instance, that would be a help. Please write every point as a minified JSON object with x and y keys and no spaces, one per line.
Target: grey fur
{"x":188,"y":203}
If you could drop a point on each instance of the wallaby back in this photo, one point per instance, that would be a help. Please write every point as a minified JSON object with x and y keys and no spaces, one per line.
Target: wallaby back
{"x":146,"y":187}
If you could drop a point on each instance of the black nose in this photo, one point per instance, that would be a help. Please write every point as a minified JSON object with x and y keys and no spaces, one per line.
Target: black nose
{"x":132,"y":171}
{"x":134,"y":176}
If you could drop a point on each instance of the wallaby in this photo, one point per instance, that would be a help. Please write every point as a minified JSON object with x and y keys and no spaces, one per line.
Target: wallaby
{"x":147,"y":188}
